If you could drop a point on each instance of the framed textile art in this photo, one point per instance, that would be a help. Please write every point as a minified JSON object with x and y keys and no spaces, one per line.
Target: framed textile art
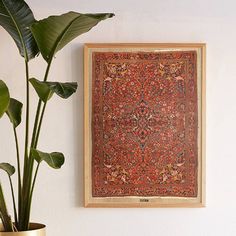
{"x":144,"y":107}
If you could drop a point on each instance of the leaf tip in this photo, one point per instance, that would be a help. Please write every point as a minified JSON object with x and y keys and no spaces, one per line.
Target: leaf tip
{"x":111,"y":15}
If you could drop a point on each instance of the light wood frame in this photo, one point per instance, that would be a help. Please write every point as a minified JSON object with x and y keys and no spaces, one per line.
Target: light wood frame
{"x":89,"y":200}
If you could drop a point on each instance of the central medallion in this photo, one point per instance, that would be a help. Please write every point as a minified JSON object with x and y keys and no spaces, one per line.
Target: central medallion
{"x":142,"y":122}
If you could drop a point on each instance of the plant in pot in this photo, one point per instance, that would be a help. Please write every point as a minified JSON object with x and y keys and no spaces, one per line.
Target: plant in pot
{"x":45,"y":37}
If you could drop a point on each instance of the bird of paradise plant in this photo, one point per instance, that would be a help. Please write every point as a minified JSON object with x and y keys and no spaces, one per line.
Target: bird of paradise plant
{"x":32,"y":37}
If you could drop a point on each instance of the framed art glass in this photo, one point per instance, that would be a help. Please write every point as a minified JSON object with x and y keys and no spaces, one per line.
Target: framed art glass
{"x":144,"y":136}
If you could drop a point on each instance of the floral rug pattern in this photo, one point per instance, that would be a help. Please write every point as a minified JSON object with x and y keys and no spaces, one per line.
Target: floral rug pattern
{"x":144,"y":124}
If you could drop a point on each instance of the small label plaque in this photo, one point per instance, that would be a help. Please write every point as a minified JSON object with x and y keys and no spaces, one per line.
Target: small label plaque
{"x":144,"y":200}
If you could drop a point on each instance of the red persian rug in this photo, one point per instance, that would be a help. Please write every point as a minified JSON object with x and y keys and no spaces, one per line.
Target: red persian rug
{"x":144,"y":124}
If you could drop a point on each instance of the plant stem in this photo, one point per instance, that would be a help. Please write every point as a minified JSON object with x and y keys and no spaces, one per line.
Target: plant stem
{"x":26,"y":164}
{"x":36,"y":124}
{"x":34,"y":142}
{"x":39,"y":109}
{"x":19,"y":172}
{"x":14,"y":202}
{"x":35,"y":176}
{"x":25,"y":174}
{"x":6,"y":219}
{"x":29,"y":201}
{"x":32,"y":189}
{"x":47,"y":70}
{"x":27,"y":112}
{"x":40,"y":124}
{"x":31,"y":194}
{"x":18,"y":157}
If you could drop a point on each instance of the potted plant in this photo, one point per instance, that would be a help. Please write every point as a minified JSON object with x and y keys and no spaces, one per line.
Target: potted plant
{"x":45,"y":37}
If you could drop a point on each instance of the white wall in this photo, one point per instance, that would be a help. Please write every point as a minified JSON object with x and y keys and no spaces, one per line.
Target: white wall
{"x":58,"y":197}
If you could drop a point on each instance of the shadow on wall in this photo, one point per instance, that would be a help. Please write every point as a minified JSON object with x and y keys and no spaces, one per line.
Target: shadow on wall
{"x":78,"y":121}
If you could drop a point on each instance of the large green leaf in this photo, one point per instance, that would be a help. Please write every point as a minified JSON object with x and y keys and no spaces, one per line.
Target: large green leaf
{"x":54,"y":32}
{"x":45,"y":90}
{"x":14,"y":112}
{"x":64,"y":90}
{"x":54,"y":159}
{"x":7,"y":168}
{"x":42,"y":89}
{"x":16,"y":18}
{"x":4,"y":98}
